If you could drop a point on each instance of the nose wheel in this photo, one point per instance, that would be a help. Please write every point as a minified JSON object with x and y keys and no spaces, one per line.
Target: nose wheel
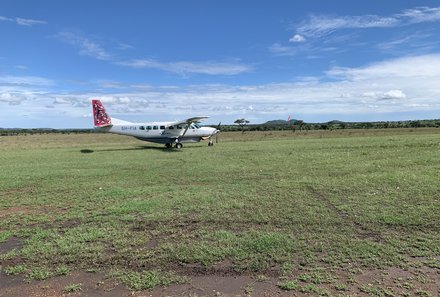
{"x":179,"y":145}
{"x":210,"y":143}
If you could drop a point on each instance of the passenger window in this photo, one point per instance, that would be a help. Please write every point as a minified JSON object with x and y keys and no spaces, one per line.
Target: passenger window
{"x":148,"y":127}
{"x":170,"y":127}
{"x":155,"y":127}
{"x":162,"y":127}
{"x":179,"y":127}
{"x":141,"y":128}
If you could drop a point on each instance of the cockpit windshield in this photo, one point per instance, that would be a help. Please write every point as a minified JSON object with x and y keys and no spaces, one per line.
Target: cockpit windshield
{"x":194,"y":126}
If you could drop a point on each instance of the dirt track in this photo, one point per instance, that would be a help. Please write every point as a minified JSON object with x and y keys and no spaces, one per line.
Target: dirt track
{"x":424,"y":282}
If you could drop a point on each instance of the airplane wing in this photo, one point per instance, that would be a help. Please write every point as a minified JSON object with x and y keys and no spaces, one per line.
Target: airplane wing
{"x":187,"y":121}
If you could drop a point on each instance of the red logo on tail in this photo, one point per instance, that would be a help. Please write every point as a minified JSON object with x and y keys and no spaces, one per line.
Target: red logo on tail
{"x":100,"y":116}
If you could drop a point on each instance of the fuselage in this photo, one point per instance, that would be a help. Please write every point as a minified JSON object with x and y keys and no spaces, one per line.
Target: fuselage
{"x":162,"y":132}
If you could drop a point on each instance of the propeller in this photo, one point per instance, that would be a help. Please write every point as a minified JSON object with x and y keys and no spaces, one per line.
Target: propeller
{"x":218,"y":130}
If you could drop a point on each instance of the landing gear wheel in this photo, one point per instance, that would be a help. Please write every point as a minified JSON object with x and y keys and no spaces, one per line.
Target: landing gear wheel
{"x":168,"y":145}
{"x":210,"y":143}
{"x":179,"y":145}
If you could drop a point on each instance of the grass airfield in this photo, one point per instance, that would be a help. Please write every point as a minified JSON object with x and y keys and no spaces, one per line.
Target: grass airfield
{"x":317,"y":213}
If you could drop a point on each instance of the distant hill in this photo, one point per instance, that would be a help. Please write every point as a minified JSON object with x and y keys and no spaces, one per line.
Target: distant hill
{"x":293,"y":121}
{"x":335,"y":122}
{"x":279,"y":122}
{"x":29,"y":129}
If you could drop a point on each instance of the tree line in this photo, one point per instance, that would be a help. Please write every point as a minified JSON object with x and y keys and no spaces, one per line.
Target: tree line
{"x":294,"y":125}
{"x":244,"y":125}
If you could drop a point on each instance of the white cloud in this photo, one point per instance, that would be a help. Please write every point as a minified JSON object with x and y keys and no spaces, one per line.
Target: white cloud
{"x":389,"y":95}
{"x":407,"y":67}
{"x":211,"y":68}
{"x":394,"y":94}
{"x":125,"y":100}
{"x":60,"y":100}
{"x":394,"y":86}
{"x":318,"y":26}
{"x":309,"y":50}
{"x":421,"y":14}
{"x":11,"y":98}
{"x":87,"y":47}
{"x":25,"y":80}
{"x":93,"y":49}
{"x":22,"y":21}
{"x":185,"y":67}
{"x":5,"y":19}
{"x":29,"y":22}
{"x":282,"y":50}
{"x":400,"y":41}
{"x":140,"y":63}
{"x":124,"y":46}
{"x":21,"y":67}
{"x":297,"y":38}
{"x":113,"y":85}
{"x":399,"y":85}
{"x":321,"y":25}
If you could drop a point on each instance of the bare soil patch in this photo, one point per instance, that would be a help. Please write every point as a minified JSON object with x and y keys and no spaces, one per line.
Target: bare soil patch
{"x":10,"y":244}
{"x":29,"y":210}
{"x":91,"y":284}
{"x":396,"y":281}
{"x":220,"y":286}
{"x":21,"y":210}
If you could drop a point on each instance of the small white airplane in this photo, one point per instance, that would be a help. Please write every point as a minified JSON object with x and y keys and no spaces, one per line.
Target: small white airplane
{"x":168,"y":133}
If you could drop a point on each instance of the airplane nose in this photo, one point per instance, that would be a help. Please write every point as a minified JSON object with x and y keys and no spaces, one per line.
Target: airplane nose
{"x":215,"y":131}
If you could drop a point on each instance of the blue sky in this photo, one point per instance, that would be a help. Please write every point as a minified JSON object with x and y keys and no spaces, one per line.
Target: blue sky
{"x":229,"y":59}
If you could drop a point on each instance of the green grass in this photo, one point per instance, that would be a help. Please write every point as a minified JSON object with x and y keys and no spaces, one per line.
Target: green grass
{"x":13,"y":270}
{"x":72,"y":288}
{"x":146,"y":279}
{"x":289,"y":285}
{"x":258,"y":202}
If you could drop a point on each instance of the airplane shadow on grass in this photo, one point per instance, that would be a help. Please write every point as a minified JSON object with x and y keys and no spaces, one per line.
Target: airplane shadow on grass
{"x":162,"y":149}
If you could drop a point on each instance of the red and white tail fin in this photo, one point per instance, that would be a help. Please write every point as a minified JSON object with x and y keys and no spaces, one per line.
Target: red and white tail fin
{"x":100,"y":116}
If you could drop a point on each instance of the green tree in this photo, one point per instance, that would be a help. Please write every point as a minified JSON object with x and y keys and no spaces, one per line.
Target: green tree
{"x":298,"y":125}
{"x":241,"y":123}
